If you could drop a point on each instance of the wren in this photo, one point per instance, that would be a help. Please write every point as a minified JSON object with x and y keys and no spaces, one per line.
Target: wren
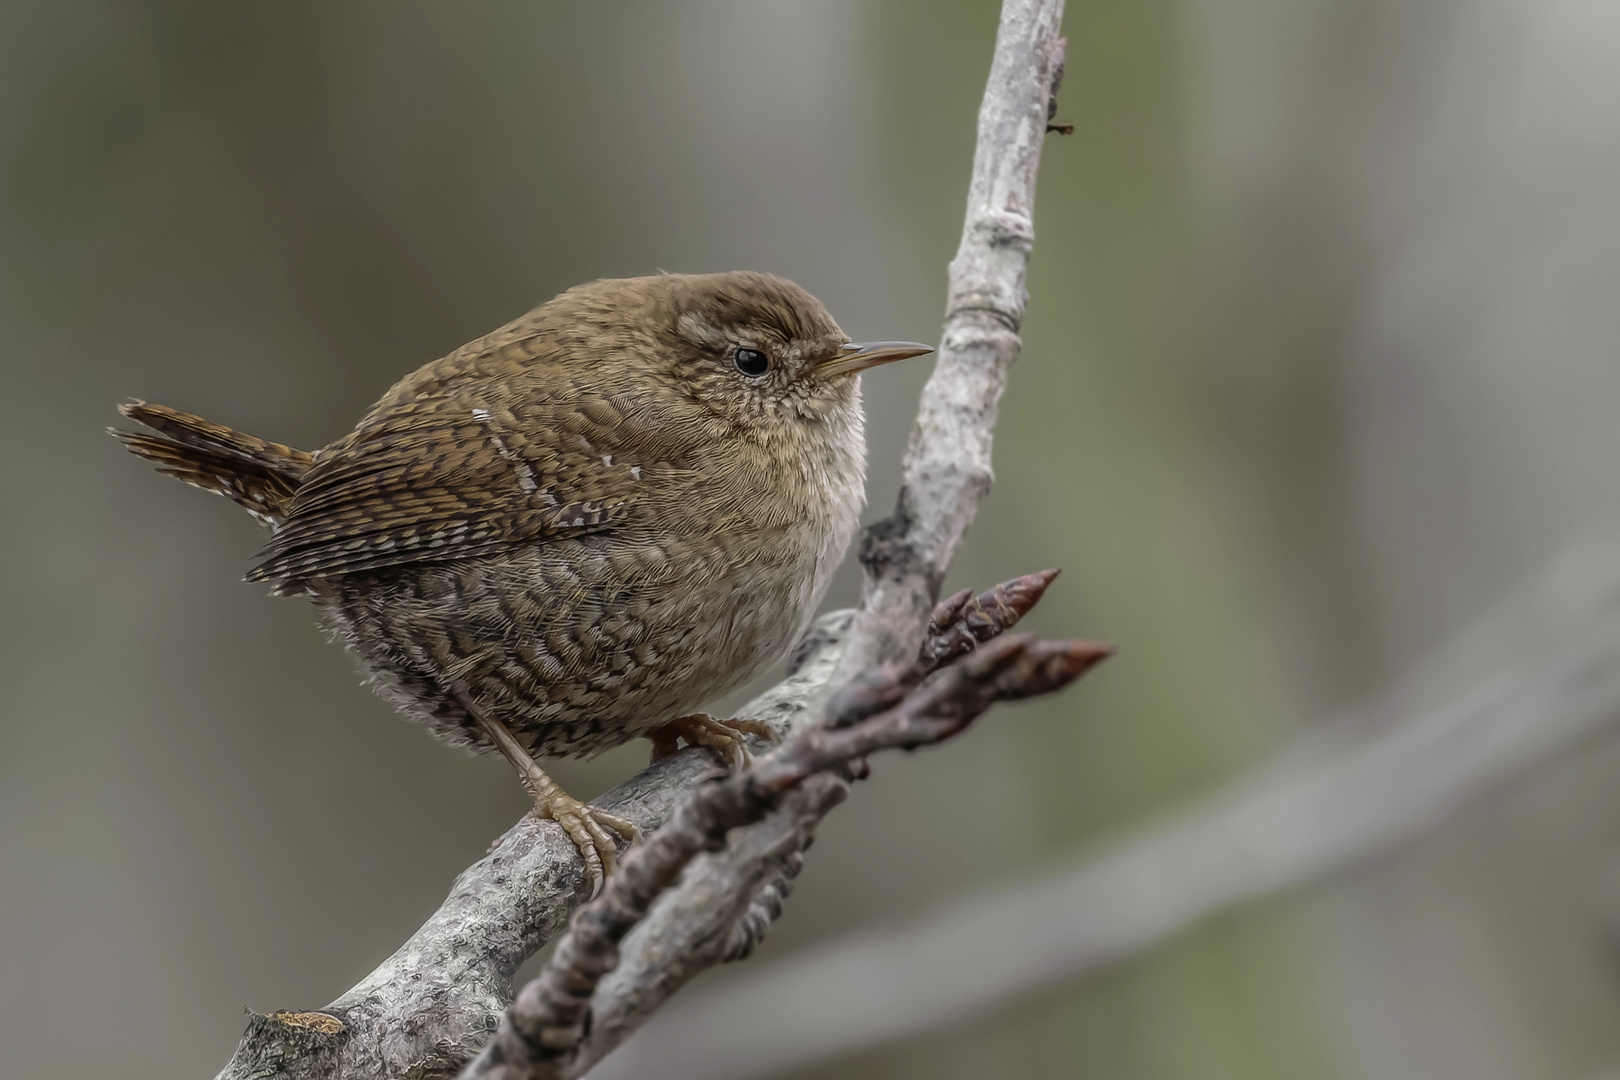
{"x":575,"y":530}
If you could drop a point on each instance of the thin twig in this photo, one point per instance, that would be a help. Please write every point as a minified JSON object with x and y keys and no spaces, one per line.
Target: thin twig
{"x":542,"y":1031}
{"x":946,"y":471}
{"x":1533,"y":682}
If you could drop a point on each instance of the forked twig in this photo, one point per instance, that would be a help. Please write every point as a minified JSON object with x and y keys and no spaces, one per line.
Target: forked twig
{"x":964,"y":666}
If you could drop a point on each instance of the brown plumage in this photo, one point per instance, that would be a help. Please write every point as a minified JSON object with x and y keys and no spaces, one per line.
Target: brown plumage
{"x":578,"y":528}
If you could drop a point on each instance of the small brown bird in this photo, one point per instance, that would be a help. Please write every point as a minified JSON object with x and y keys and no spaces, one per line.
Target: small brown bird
{"x":573,"y":531}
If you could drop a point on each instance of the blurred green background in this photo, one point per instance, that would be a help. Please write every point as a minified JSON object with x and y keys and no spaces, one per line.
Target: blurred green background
{"x":1317,"y":356}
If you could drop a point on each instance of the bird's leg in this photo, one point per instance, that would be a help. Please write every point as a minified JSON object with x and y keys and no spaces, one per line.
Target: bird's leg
{"x":730,"y":737}
{"x":585,"y":825}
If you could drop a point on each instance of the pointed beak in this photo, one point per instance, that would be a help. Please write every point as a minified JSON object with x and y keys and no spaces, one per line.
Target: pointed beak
{"x":858,"y":356}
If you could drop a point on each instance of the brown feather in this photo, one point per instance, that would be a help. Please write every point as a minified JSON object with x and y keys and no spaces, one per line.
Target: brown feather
{"x":254,"y":473}
{"x":452,"y":474}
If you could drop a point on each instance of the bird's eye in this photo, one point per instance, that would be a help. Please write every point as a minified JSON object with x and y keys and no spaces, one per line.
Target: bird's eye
{"x":751,"y":361}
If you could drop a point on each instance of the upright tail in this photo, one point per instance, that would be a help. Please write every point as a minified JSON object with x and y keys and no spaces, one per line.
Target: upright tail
{"x":258,"y":475}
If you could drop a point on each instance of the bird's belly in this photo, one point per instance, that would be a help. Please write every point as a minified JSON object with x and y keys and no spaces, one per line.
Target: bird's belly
{"x":581,"y":646}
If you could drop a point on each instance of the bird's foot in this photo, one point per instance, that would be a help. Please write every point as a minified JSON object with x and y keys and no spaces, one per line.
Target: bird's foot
{"x":730,"y":737}
{"x":590,"y":829}
{"x":585,"y":825}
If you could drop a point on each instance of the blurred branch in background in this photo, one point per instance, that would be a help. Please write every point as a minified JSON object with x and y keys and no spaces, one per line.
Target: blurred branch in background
{"x":436,"y":1001}
{"x":1533,"y":680}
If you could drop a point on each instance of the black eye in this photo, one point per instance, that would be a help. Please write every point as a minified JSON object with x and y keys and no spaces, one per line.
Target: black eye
{"x":751,"y":361}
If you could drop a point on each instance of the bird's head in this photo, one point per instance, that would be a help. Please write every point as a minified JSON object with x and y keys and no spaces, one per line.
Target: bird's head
{"x":755,"y":351}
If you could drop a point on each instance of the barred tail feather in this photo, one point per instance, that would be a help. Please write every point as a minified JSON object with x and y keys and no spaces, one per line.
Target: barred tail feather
{"x":258,"y":475}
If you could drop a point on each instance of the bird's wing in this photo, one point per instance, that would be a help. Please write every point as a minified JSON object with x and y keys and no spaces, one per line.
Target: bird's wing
{"x":448,"y":474}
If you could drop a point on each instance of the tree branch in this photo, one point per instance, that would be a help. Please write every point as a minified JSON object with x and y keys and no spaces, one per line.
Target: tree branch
{"x":432,"y":1005}
{"x":946,"y":473}
{"x":437,"y":1000}
{"x":947,"y":463}
{"x":541,"y":1035}
{"x":1532,"y":682}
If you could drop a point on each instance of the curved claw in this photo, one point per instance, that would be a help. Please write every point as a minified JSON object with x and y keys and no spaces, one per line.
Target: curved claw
{"x":588,"y":828}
